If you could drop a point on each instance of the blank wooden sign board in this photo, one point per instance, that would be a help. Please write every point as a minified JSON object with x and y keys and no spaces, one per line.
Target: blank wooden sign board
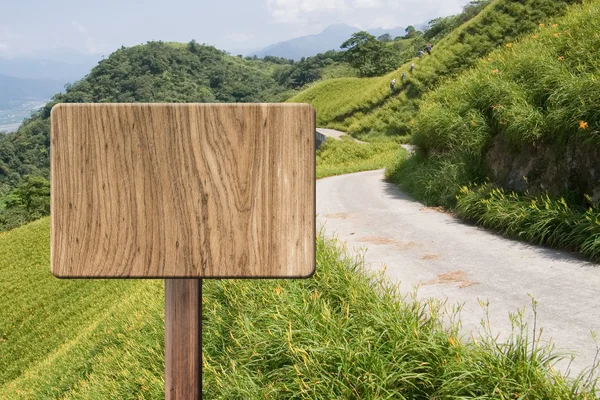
{"x":182,"y":191}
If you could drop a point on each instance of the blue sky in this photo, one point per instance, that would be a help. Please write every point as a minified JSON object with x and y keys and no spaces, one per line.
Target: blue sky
{"x":31,"y":27}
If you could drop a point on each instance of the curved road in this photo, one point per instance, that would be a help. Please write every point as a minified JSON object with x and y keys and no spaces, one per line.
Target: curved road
{"x":455,"y":261}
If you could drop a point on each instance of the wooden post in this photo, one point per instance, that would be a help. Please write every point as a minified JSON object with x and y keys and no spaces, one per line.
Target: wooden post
{"x":183,"y":339}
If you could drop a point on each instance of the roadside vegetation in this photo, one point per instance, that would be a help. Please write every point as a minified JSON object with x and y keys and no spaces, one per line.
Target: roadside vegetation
{"x":536,"y":93}
{"x":336,"y":157}
{"x":345,"y":333}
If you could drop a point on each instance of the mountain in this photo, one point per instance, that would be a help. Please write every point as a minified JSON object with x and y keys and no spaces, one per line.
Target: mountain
{"x":329,"y":39}
{"x":17,"y":90}
{"x":49,"y":66}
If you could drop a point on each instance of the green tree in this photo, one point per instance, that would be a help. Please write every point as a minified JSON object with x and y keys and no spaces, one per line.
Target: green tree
{"x":368,"y":55}
{"x":410,"y":32}
{"x":34,"y":196}
{"x":386,"y":37}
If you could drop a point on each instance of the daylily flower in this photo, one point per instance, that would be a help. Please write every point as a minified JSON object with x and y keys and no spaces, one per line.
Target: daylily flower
{"x":583,"y":125}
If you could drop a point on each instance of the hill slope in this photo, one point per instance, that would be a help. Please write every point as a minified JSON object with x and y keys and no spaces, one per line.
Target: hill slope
{"x":365,"y":105}
{"x":526,"y":119}
{"x":276,"y":339}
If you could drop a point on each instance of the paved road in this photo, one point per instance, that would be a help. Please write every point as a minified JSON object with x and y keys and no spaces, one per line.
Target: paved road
{"x":335,"y":134}
{"x":462,"y":263}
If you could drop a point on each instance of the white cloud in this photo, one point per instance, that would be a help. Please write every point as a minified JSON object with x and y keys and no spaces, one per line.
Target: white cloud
{"x":367,"y":4}
{"x":239,"y":37}
{"x":294,"y":10}
{"x":368,"y":13}
{"x":79,"y":27}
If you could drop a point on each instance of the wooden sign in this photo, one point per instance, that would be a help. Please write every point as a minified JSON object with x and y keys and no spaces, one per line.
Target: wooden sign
{"x":182,"y":190}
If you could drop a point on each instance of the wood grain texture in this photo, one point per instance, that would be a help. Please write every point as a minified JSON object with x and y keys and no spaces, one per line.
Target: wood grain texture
{"x":182,"y":190}
{"x":183,"y":339}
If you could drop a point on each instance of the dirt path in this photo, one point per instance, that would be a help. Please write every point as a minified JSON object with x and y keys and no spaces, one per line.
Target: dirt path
{"x":462,"y":263}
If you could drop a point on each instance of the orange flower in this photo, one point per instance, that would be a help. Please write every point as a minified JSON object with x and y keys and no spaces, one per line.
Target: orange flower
{"x":508,"y":44}
{"x":561,"y":58}
{"x":583,"y":125}
{"x":278,"y":290}
{"x":489,"y":59}
{"x":554,"y":25}
{"x":314,"y":295}
{"x":535,"y":36}
{"x":495,"y":71}
{"x":556,"y":34}
{"x":541,"y":24}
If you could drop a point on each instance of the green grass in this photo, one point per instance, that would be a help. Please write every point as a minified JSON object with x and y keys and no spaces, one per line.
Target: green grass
{"x":541,"y":89}
{"x":344,"y":333}
{"x":336,"y":157}
{"x":536,"y":219}
{"x":366,"y":105}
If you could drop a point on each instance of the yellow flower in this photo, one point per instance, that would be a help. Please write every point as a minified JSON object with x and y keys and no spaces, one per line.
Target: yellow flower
{"x":556,"y":34}
{"x":508,"y":44}
{"x":314,"y":295}
{"x":495,"y":71}
{"x":451,"y":341}
{"x":561,"y":58}
{"x":278,"y":290}
{"x":583,"y":125}
{"x":489,"y":59}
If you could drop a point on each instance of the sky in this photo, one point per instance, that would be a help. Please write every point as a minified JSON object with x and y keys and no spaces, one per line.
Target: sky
{"x":39,"y":27}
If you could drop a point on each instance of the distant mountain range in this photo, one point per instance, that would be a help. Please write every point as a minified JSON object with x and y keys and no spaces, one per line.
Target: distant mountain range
{"x":329,"y":39}
{"x":28,"y":83}
{"x":47,"y":69}
{"x":17,"y":90}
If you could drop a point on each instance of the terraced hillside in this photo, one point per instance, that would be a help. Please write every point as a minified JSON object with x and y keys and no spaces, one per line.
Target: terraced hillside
{"x":366,"y":105}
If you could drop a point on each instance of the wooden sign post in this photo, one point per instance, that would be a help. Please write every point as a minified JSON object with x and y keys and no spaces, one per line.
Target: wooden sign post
{"x":183,"y":191}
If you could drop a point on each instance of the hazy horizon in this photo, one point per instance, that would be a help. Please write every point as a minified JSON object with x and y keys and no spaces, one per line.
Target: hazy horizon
{"x":78,"y":28}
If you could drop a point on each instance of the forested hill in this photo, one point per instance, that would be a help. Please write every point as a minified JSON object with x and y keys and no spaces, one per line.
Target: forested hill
{"x":153,"y":72}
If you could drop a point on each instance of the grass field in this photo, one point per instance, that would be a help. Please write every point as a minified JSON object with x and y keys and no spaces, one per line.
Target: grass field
{"x":344,"y":333}
{"x":336,"y":157}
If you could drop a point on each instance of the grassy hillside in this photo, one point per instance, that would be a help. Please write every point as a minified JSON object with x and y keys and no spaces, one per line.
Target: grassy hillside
{"x":340,"y":334}
{"x":365,"y":105}
{"x":527,"y":118}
